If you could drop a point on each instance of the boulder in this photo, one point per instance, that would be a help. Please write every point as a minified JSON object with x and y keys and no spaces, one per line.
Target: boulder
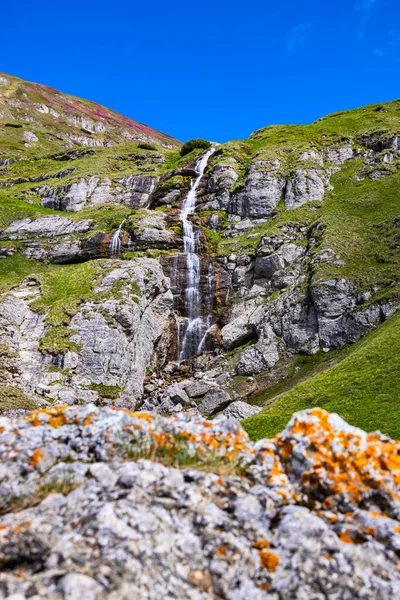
{"x":241,"y":410}
{"x":214,"y":401}
{"x":198,"y":388}
{"x":177,"y":394}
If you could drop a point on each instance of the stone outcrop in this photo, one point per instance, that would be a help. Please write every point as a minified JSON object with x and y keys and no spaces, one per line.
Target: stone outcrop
{"x":318,"y":508}
{"x":261,"y":193}
{"x":132,"y":190}
{"x":306,"y":316}
{"x":218,"y":187}
{"x":114,"y":336}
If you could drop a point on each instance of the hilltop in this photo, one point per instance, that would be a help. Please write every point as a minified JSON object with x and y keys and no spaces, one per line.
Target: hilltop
{"x":37,"y":120}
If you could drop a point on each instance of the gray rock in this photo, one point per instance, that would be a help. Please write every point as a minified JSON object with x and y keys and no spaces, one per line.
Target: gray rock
{"x":198,"y":388}
{"x":261,"y":356}
{"x":218,"y":187}
{"x":177,"y":395}
{"x":214,"y":401}
{"x":261,"y":193}
{"x":241,"y":410}
{"x":265,"y":266}
{"x":305,"y":185}
{"x":137,"y":189}
{"x":76,"y":586}
{"x":49,"y":226}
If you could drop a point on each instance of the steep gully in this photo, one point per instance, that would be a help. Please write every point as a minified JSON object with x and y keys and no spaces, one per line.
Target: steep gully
{"x":195,"y":313}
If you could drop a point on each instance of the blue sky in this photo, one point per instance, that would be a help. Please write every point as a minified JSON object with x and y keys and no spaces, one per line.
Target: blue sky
{"x":215,"y":69}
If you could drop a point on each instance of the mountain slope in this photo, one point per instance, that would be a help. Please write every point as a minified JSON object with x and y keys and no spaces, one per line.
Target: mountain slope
{"x":363,"y":388}
{"x":36,"y":119}
{"x":297,"y":236}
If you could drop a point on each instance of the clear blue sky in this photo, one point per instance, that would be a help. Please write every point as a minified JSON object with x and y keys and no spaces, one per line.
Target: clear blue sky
{"x":216,"y":69}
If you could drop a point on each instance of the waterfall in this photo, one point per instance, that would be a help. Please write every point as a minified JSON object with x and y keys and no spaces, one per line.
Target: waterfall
{"x":209,"y":304}
{"x":115,"y":242}
{"x":189,"y":343}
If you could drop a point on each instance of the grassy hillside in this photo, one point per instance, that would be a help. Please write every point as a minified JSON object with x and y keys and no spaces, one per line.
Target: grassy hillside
{"x":60,"y":121}
{"x":363,"y":388}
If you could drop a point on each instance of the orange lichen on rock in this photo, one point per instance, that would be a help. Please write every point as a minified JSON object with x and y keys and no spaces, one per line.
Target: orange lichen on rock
{"x":37,"y":456}
{"x":340,"y":460}
{"x":55,"y":414}
{"x":269,"y":560}
{"x":221,"y":550}
{"x":344,"y":537}
{"x":261,"y":544}
{"x":143,"y":415}
{"x":370,"y":531}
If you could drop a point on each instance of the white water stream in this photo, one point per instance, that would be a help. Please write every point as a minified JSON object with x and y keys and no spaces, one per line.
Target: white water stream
{"x":115,"y":242}
{"x":197,"y":325}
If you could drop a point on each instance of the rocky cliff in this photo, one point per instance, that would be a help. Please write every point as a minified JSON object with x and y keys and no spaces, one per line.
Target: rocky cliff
{"x":299,"y":225}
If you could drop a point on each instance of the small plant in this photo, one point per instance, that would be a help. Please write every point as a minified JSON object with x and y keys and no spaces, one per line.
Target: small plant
{"x":111,"y":392}
{"x":194,"y":144}
{"x":56,"y":341}
{"x":146,"y":146}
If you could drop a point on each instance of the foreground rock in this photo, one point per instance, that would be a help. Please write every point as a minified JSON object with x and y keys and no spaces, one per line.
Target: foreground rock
{"x":314,"y":513}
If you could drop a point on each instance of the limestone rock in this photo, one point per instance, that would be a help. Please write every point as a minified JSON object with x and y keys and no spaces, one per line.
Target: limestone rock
{"x":215,"y":400}
{"x":48,"y":226}
{"x":241,"y":410}
{"x":198,"y":388}
{"x":261,"y":193}
{"x":305,"y":185}
{"x":293,"y":525}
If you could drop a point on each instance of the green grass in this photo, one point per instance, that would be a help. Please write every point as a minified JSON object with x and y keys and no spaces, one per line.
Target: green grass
{"x":363,"y":388}
{"x":111,"y":392}
{"x":63,"y":287}
{"x":12,"y":398}
{"x":56,"y":340}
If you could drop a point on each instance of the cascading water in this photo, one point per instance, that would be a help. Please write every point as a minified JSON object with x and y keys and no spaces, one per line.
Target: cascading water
{"x":115,"y":242}
{"x":197,"y":324}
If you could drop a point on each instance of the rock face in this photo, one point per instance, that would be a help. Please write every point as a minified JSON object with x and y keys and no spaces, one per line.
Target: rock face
{"x":114,"y":336}
{"x":317,"y":512}
{"x":133,"y":191}
{"x":47,"y":226}
{"x":307,"y":315}
{"x":273,"y":275}
{"x":262,"y":191}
